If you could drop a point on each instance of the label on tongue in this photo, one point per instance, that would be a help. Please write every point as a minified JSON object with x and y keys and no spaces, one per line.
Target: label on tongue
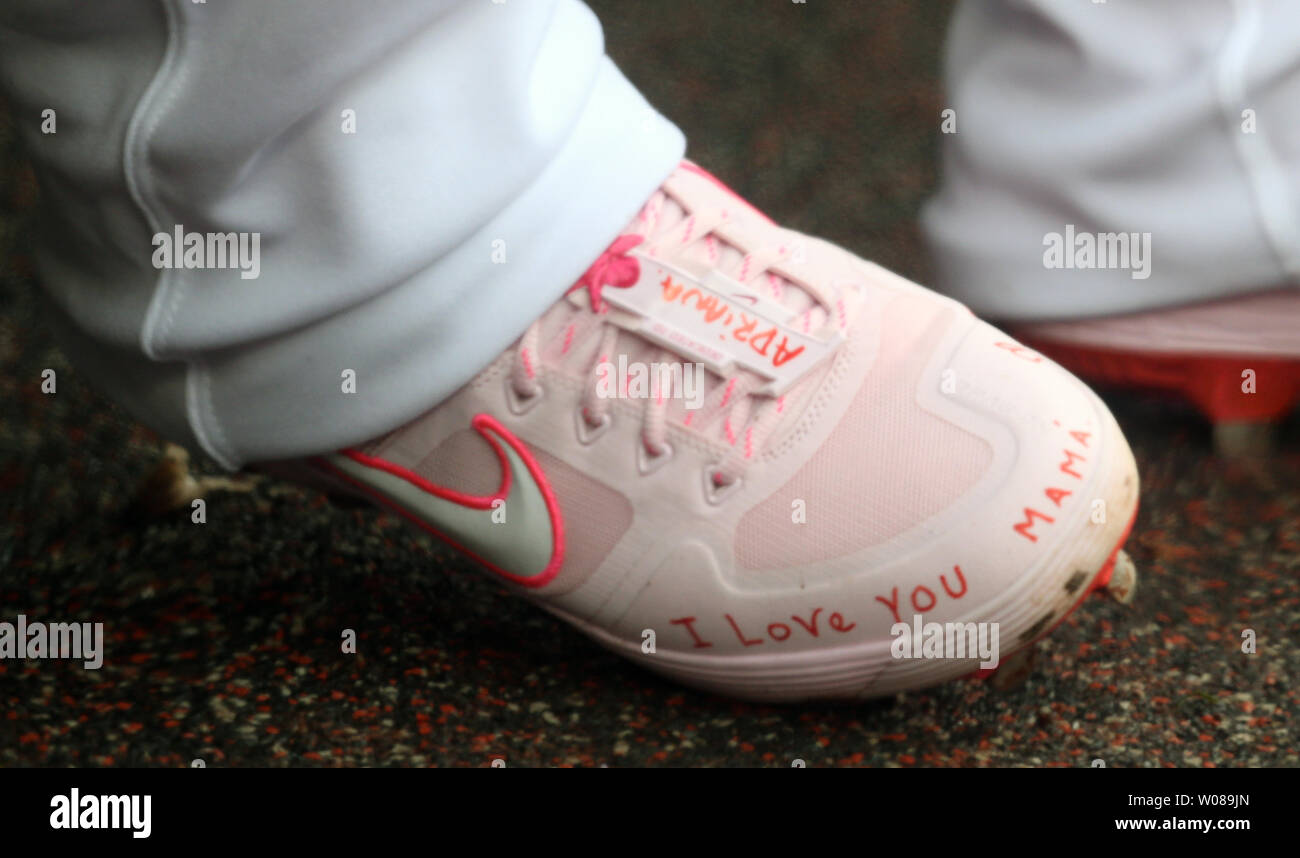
{"x":718,"y":322}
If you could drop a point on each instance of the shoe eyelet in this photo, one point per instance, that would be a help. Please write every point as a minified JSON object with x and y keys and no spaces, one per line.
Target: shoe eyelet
{"x":714,"y":493}
{"x":588,"y":432}
{"x":520,"y":404}
{"x":647,"y":462}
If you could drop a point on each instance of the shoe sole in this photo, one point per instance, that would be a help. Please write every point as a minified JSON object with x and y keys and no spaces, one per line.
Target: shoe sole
{"x":1026,"y":612}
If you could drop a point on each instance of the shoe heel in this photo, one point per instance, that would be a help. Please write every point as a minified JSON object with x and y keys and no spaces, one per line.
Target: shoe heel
{"x":1243,"y":396}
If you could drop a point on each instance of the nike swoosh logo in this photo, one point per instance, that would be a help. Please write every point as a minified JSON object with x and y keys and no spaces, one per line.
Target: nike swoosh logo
{"x":518,"y":532}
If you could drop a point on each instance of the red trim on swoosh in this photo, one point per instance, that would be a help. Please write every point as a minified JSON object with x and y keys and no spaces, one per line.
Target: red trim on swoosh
{"x":459,"y":498}
{"x":483,"y":424}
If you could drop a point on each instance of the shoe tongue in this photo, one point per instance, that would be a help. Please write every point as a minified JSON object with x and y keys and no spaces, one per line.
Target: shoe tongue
{"x":571,"y":336}
{"x":713,"y":252}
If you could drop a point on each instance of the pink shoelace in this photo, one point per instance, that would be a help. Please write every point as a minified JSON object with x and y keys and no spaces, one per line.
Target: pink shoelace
{"x":742,"y":416}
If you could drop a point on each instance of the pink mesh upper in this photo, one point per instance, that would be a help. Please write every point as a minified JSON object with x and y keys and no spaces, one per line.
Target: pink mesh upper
{"x":887,"y":466}
{"x":595,"y":519}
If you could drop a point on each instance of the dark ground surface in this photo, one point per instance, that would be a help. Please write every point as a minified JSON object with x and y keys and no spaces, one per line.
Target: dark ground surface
{"x":223,"y":639}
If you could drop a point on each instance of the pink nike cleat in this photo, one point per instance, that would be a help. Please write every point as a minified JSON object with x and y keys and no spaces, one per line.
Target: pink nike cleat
{"x":760,"y":466}
{"x":1237,"y":360}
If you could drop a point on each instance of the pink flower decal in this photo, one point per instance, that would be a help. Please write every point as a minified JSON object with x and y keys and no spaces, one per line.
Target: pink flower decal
{"x":613,"y":268}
